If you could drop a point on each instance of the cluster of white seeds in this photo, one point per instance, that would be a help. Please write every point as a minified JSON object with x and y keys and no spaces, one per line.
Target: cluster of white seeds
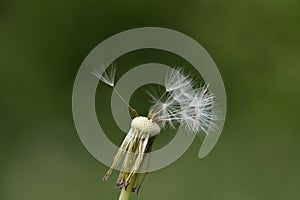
{"x":185,"y":103}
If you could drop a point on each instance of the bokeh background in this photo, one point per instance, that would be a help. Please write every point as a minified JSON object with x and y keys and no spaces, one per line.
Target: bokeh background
{"x":255,"y":44}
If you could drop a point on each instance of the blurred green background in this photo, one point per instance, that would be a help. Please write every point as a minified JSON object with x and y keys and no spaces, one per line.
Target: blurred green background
{"x":255,"y":44}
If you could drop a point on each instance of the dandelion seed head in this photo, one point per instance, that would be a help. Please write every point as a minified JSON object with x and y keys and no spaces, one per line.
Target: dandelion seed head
{"x":145,"y":125}
{"x":182,"y":102}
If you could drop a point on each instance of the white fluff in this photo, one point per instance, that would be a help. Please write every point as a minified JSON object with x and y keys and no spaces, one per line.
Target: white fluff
{"x":176,"y":80}
{"x":108,"y":76}
{"x":185,"y":103}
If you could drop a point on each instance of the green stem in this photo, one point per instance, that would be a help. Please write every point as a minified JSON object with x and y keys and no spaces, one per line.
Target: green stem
{"x":125,"y":194}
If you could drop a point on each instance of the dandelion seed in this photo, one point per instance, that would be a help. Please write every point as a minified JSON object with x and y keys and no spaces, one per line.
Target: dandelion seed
{"x":108,"y":77}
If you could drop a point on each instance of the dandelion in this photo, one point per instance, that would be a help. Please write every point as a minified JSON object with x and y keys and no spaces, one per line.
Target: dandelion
{"x":182,"y":103}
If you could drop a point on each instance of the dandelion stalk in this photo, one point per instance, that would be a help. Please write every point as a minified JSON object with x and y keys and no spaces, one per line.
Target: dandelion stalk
{"x":125,"y":193}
